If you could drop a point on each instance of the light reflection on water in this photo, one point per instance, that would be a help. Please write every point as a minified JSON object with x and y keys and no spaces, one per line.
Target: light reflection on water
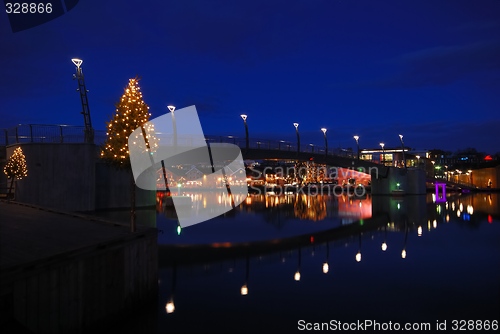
{"x":389,"y":259}
{"x":263,"y":217}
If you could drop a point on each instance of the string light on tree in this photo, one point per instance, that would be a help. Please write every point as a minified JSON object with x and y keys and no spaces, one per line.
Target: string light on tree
{"x":16,"y":167}
{"x":131,"y":113}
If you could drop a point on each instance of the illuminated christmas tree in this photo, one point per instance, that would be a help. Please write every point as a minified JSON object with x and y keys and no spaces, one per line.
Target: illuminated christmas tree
{"x":16,"y":167}
{"x":131,"y":113}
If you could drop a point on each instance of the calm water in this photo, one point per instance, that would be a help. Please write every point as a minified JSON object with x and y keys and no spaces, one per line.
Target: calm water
{"x":326,"y":262}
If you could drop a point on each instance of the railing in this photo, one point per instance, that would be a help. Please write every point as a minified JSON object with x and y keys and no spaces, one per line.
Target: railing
{"x":41,"y":133}
{"x":280,"y":145}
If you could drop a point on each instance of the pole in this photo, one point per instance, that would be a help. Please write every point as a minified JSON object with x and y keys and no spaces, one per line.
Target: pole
{"x":247,"y":143}
{"x":357,"y":144}
{"x":296,"y":125}
{"x":326,"y":142}
{"x":403,"y":148}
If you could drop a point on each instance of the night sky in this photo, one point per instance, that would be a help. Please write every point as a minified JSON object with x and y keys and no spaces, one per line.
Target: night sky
{"x":429,"y":70}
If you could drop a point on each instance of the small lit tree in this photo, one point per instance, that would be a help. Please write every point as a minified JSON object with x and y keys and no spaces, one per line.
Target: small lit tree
{"x":131,"y":113}
{"x":16,"y":167}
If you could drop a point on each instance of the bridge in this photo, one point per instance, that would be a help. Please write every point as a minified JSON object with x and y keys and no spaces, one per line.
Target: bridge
{"x":386,"y":180}
{"x":256,"y":149}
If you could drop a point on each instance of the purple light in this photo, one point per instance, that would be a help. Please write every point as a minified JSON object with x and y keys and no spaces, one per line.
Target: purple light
{"x":442,"y":197}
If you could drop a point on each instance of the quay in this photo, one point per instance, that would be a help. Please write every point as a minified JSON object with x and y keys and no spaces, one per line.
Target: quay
{"x":65,"y":272}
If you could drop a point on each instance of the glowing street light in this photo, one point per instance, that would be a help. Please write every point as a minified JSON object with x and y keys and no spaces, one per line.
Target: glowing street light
{"x":244,"y":117}
{"x":418,"y":160}
{"x":89,"y":131}
{"x":172,"y":109}
{"x":356,"y":138}
{"x":403,"y":147}
{"x":326,"y":141}
{"x":383,"y":153}
{"x":296,"y":125}
{"x":77,"y":62}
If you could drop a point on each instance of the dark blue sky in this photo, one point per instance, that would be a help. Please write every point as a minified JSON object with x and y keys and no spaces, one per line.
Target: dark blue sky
{"x":427,"y":69}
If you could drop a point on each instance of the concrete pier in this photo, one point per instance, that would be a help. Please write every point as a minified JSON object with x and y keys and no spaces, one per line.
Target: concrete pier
{"x":67,"y":273}
{"x":399,"y":181}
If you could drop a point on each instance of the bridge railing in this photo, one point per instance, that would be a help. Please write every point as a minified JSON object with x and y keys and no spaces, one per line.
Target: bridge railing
{"x":280,"y":145}
{"x":42,"y":133}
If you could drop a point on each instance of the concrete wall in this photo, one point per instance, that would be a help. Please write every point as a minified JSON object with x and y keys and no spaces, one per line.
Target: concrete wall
{"x":60,"y":176}
{"x":113,"y":189}
{"x":70,"y":177}
{"x":411,"y":182}
{"x":3,"y":177}
{"x":78,"y":292}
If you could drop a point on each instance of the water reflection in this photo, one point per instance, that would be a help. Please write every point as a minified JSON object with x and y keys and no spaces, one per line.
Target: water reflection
{"x":262,"y":216}
{"x":412,"y":251}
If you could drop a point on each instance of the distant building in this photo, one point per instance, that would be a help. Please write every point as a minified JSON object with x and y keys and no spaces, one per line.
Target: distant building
{"x":394,"y":156}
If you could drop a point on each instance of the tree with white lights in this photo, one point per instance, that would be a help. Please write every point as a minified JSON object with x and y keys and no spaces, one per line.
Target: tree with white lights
{"x":16,"y":167}
{"x":131,"y":113}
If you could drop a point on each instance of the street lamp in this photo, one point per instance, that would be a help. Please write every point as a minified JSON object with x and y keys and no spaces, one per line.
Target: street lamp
{"x":296,"y":125}
{"x":172,"y":109}
{"x":418,"y":160}
{"x":326,"y":141}
{"x":470,"y":176}
{"x":403,"y":147}
{"x":89,"y":131}
{"x":246,"y":130}
{"x":383,"y":153}
{"x":356,"y":138}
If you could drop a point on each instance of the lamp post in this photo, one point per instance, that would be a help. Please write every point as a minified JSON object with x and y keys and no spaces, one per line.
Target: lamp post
{"x":172,"y":109}
{"x":89,"y":131}
{"x":244,"y":117}
{"x":418,"y":160}
{"x":383,"y":153}
{"x":403,"y":147}
{"x":296,"y":125}
{"x":356,"y":138}
{"x":470,"y":176}
{"x":326,"y":142}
